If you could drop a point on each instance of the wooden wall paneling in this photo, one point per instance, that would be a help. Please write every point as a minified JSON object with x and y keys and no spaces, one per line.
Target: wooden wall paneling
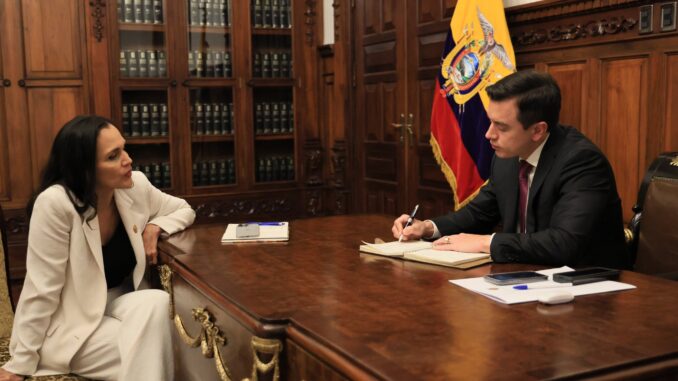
{"x":4,"y":165}
{"x":624,"y":123}
{"x":52,"y":38}
{"x":57,"y":106}
{"x":573,"y":81}
{"x":99,"y":30}
{"x":671,"y":110}
{"x":20,"y":181}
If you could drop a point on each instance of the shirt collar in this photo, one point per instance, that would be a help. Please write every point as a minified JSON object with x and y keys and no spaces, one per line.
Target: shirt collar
{"x":533,"y":159}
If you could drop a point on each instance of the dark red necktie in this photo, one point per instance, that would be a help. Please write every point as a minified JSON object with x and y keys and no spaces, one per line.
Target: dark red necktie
{"x":523,"y":175}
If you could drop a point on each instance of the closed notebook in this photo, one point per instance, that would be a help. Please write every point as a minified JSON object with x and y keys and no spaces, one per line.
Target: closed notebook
{"x":421,"y":251}
{"x":268,"y":232}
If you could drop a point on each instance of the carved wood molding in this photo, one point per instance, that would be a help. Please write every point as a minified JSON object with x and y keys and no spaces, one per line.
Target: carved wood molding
{"x":340,"y":201}
{"x":310,"y":14}
{"x":98,"y":13}
{"x":566,"y":8}
{"x":17,"y":225}
{"x":313,"y":202}
{"x":574,"y":32}
{"x":313,"y":160}
{"x":229,"y":208}
{"x":339,"y":164}
{"x":336,"y":5}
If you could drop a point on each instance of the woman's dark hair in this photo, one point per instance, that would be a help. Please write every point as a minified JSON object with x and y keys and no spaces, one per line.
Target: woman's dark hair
{"x":72,"y":162}
{"x":537,"y":95}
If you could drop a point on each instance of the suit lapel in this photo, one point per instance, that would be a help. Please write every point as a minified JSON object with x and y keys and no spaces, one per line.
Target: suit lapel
{"x":134,"y":223}
{"x":93,"y":238}
{"x":512,"y":197}
{"x":546,"y":161}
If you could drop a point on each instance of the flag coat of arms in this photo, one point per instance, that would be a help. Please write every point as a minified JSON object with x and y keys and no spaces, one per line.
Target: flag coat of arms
{"x":478,"y":53}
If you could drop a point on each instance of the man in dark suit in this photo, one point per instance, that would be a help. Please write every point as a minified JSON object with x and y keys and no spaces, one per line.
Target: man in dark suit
{"x":550,"y":187}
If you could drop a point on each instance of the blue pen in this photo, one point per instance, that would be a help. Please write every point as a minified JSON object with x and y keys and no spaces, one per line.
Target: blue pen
{"x":267,"y":223}
{"x":574,"y":283}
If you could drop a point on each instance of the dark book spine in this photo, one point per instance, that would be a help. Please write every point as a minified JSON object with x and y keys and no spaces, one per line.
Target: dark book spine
{"x":128,"y":11}
{"x":231,"y":112}
{"x":267,"y":118}
{"x":259,"y":119}
{"x":126,"y":126}
{"x":155,"y":119}
{"x":228,"y":68}
{"x":194,"y":13}
{"x":257,"y":14}
{"x":284,"y":22}
{"x":146,"y":169}
{"x":261,"y":169}
{"x":145,"y":120}
{"x":202,"y":13}
{"x":132,"y":64}
{"x":218,"y":64}
{"x":275,"y":118}
{"x":124,"y":68}
{"x":288,"y":10}
{"x":156,"y":175}
{"x":191,"y":64}
{"x":138,"y":11}
{"x":166,"y":175}
{"x":209,"y":13}
{"x":198,"y":65}
{"x":209,"y":126}
{"x":223,"y":172}
{"x":143,"y":64}
{"x":275,"y":169}
{"x":290,"y":168}
{"x":199,"y":119}
{"x":152,"y":63}
{"x":148,"y":11}
{"x":256,"y":64}
{"x":275,"y":65}
{"x":268,"y":172}
{"x":209,"y":64}
{"x":204,"y":173}
{"x":196,"y":174}
{"x":164,"y":120}
{"x":267,"y":22}
{"x":231,"y":171}
{"x":135,"y":120}
{"x":162,"y":64}
{"x":213,"y":174}
{"x":266,"y":65}
{"x":285,"y":65}
{"x":275,"y":14}
{"x":157,"y":12}
{"x":284,"y":128}
{"x":218,"y":122}
{"x":226,"y":118}
{"x":290,"y":109}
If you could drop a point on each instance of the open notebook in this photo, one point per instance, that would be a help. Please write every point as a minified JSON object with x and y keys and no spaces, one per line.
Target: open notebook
{"x":268,"y":232}
{"x":422,"y":251}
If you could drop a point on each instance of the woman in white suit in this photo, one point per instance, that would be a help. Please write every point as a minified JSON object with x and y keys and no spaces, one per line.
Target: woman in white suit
{"x":94,"y":225}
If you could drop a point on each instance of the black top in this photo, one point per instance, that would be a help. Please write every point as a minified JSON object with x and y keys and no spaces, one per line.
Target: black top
{"x":119,"y":259}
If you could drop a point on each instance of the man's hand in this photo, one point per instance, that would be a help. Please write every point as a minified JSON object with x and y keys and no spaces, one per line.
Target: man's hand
{"x":470,"y":243}
{"x":416,"y":230}
{"x":150,"y":236}
{"x":7,"y":376}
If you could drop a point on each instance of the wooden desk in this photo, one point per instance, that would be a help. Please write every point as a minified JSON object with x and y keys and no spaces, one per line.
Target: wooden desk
{"x":338,"y":314}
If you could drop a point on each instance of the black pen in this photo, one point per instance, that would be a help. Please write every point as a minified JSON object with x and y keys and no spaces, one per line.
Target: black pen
{"x":409,"y":221}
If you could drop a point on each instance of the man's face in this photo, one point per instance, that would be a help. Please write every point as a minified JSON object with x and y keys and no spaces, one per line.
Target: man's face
{"x":507,"y":135}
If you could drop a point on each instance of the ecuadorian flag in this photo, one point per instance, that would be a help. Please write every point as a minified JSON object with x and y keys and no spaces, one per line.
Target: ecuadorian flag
{"x":478,"y":52}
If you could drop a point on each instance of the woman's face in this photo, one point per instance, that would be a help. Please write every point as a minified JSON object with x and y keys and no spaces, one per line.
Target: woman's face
{"x":114,"y":166}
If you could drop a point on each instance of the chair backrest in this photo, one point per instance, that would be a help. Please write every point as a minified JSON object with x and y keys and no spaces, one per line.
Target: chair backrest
{"x":655,"y":225}
{"x":6,"y":312}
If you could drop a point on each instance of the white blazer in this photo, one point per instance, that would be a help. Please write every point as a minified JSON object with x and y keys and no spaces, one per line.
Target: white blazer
{"x":65,"y":292}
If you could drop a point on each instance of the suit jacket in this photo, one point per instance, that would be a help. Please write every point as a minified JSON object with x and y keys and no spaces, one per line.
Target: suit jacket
{"x":574,"y":213}
{"x":65,"y":291}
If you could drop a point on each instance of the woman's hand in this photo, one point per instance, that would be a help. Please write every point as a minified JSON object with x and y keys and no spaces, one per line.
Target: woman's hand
{"x":7,"y":376}
{"x":150,"y":236}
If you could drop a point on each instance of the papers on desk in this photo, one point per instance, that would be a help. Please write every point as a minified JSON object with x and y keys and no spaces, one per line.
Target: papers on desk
{"x":421,"y":251}
{"x":268,"y":232}
{"x":508,"y":295}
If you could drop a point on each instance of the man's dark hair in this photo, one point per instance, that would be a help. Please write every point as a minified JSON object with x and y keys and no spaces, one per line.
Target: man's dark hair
{"x":537,"y":95}
{"x":72,"y":162}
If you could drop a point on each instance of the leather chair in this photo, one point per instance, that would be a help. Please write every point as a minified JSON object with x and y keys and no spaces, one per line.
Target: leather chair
{"x":653,"y":232}
{"x":7,"y":311}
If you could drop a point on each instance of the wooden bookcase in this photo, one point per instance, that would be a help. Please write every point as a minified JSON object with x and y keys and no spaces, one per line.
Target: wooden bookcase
{"x":209,"y":96}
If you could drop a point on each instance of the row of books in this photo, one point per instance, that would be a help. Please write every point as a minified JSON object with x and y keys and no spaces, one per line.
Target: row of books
{"x":275,"y":168}
{"x":143,"y":63}
{"x":159,"y":174}
{"x":215,"y":13}
{"x":272,"y":64}
{"x":144,"y":120}
{"x":214,"y":172}
{"x":271,"y":14}
{"x":140,"y":11}
{"x":273,"y":118}
{"x":210,"y":64}
{"x":212,"y":118}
